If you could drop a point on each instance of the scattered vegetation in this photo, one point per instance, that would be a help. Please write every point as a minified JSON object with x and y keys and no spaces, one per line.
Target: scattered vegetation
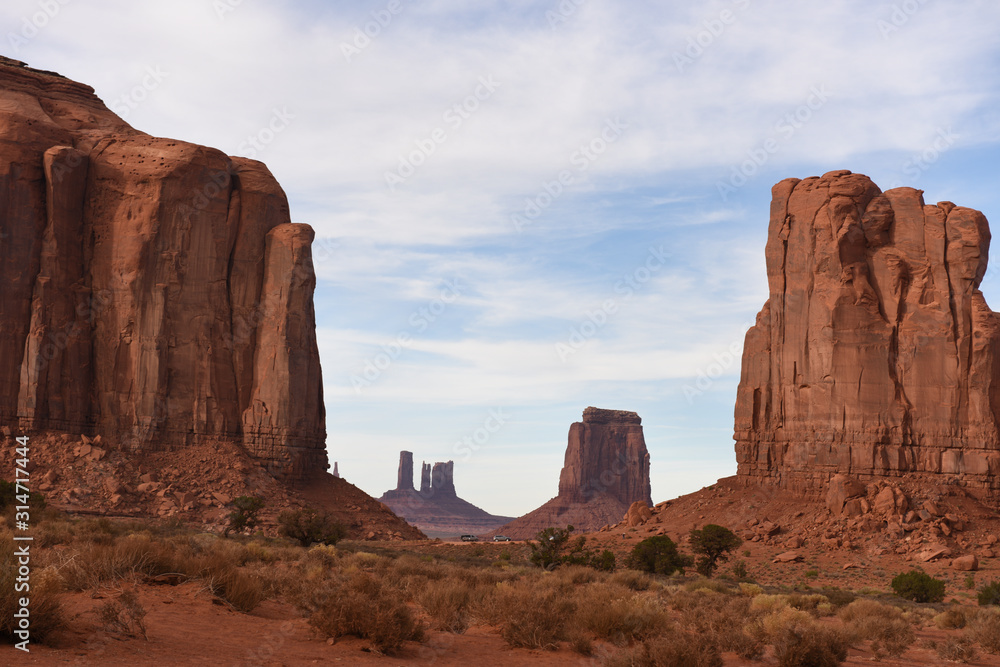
{"x":553,"y":548}
{"x":918,"y":586}
{"x":989,"y":594}
{"x":659,"y":555}
{"x":245,"y":515}
{"x":124,"y":615}
{"x":307,"y":526}
{"x":713,"y":544}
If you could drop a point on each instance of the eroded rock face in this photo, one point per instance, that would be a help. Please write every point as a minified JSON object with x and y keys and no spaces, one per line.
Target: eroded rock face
{"x":605,"y":471}
{"x":155,"y":291}
{"x":875,"y":353}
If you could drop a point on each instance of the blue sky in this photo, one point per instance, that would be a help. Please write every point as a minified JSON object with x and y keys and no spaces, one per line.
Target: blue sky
{"x":527,"y":207}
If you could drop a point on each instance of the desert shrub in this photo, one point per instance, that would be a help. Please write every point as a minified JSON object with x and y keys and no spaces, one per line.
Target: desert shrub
{"x":768,"y":604}
{"x":124,"y":615}
{"x":837,"y":597}
{"x":124,"y":559}
{"x":918,"y":586}
{"x":658,"y":555}
{"x":242,"y":590}
{"x":581,"y":643}
{"x":619,"y":615}
{"x":808,"y":603}
{"x":740,"y":569}
{"x":358,"y":605}
{"x":706,"y":585}
{"x":950,"y":619}
{"x":245,"y":515}
{"x":889,"y":632}
{"x":637,"y":581}
{"x":957,"y":649}
{"x":547,"y":552}
{"x":46,"y":612}
{"x":674,"y":649}
{"x":713,"y":544}
{"x":447,"y":601}
{"x":984,"y":628}
{"x":813,"y":646}
{"x":989,"y":594}
{"x":534,"y":618}
{"x":9,"y":496}
{"x":308,"y":526}
{"x":750,"y":590}
{"x":604,"y":561}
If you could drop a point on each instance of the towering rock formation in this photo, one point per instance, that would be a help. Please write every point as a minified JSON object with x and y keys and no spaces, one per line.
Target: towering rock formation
{"x":404,"y":477}
{"x":875,"y":353}
{"x":606,"y":469}
{"x":443,"y":480}
{"x":155,"y":291}
{"x":425,"y":479}
{"x":436,"y":509}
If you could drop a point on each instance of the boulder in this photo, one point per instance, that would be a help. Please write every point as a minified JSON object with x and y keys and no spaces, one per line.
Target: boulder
{"x":932,"y":552}
{"x":968,"y":563}
{"x":840,"y":488}
{"x":875,"y":353}
{"x":789,"y":557}
{"x":638,"y":514}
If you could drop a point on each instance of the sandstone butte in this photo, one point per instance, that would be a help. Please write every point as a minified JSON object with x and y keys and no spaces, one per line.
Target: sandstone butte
{"x":155,"y":292}
{"x":606,"y":469}
{"x":875,"y":354}
{"x":435,"y":507}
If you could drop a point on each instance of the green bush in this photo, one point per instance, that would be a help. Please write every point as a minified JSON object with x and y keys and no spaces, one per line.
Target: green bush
{"x":713,"y":544}
{"x":989,"y":594}
{"x":658,"y":555}
{"x":246,"y":514}
{"x":309,"y":526}
{"x":918,"y":586}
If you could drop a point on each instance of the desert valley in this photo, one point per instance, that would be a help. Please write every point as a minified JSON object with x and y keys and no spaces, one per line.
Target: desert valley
{"x":172,"y":494}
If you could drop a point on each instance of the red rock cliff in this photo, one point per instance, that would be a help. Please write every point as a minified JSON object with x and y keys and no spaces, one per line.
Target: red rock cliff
{"x":875,"y":353}
{"x":155,"y":291}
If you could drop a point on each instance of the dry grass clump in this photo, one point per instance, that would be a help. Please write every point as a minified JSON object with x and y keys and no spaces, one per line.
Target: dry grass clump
{"x":124,"y":615}
{"x":957,"y":649}
{"x":884,"y":625}
{"x":620,"y":615}
{"x":447,"y":603}
{"x":637,"y":581}
{"x":359,"y":604}
{"x":673,"y":649}
{"x":811,"y":646}
{"x":126,"y":558}
{"x":950,"y":619}
{"x":984,"y":628}
{"x":46,"y":584}
{"x":529,"y":616}
{"x":815,"y":603}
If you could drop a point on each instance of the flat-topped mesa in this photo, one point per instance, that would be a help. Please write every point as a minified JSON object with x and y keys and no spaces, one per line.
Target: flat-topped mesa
{"x":606,"y":454}
{"x":404,"y":477}
{"x":875,"y":353}
{"x":155,"y":292}
{"x":605,"y":470}
{"x":599,"y":416}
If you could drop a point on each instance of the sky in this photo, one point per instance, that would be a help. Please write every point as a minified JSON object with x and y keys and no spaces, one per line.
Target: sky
{"x":525,"y":208}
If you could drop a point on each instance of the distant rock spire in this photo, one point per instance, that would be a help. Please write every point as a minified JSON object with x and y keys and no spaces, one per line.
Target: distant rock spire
{"x":425,"y":479}
{"x":404,"y":477}
{"x":336,"y":471}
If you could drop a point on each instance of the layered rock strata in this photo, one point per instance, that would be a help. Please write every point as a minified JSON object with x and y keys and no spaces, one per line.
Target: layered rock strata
{"x":155,"y":291}
{"x":875,"y":354}
{"x":605,"y":471}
